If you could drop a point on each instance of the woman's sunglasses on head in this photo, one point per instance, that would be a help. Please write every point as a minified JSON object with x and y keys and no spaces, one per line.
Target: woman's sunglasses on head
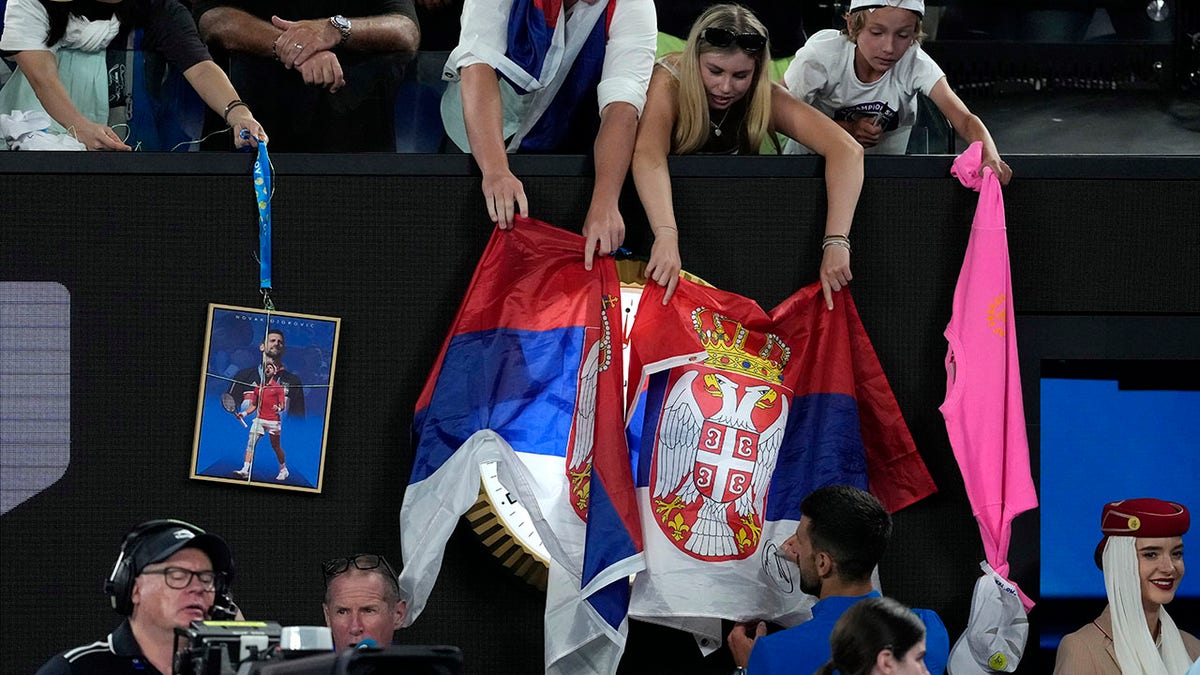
{"x":722,"y":37}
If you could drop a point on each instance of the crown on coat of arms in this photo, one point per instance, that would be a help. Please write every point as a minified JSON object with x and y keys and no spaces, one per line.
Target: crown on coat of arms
{"x":725,"y":340}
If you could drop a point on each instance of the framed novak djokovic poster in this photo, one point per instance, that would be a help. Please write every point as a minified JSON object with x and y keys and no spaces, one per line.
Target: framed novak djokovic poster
{"x":265,"y":389}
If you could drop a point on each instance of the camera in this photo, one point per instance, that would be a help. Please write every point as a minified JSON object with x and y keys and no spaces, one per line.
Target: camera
{"x":265,"y":648}
{"x":225,"y":647}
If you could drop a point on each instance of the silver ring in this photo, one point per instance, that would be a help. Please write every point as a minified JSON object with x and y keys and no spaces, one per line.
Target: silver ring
{"x":299,"y":46}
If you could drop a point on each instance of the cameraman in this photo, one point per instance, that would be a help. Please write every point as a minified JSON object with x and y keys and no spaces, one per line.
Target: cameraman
{"x":168,"y":574}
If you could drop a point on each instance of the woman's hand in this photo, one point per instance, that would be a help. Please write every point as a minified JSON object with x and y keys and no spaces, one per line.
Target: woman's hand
{"x":240,"y":118}
{"x":664,"y":264}
{"x":98,"y":137}
{"x":835,"y":272}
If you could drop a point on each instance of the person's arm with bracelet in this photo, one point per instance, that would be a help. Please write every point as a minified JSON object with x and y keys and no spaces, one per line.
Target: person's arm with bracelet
{"x":652,"y":178}
{"x":383,"y":33}
{"x":307,"y":45}
{"x":843,"y":180}
{"x":484,"y":120}
{"x":214,"y":87}
{"x":41,"y":69}
{"x":236,"y":30}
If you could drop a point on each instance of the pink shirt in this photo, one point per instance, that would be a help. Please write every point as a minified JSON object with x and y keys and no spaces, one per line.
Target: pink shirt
{"x":984,"y":411}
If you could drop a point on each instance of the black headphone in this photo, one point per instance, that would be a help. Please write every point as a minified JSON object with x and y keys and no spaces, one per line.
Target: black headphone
{"x":119,"y":586}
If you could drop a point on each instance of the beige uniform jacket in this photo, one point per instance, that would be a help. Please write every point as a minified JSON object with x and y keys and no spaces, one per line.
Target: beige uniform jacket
{"x":1090,"y":651}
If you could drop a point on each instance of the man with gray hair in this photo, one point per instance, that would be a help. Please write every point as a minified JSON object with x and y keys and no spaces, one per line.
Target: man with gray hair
{"x":362,"y":601}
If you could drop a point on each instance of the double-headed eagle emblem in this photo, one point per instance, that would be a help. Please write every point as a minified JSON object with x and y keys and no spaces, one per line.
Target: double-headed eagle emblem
{"x":597,"y":359}
{"x":724,"y":458}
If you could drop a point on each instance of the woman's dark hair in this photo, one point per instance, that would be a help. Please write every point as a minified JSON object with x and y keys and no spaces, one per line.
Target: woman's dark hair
{"x":59,"y":12}
{"x":867,"y":628}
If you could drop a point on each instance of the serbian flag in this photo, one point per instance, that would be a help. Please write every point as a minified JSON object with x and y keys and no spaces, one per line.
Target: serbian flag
{"x":529,"y":378}
{"x":744,"y":414}
{"x":561,"y":69}
{"x":531,"y":37}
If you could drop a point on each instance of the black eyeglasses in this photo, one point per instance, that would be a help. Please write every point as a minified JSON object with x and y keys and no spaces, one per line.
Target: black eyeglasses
{"x":180,"y":578}
{"x":722,"y":37}
{"x":362,"y":561}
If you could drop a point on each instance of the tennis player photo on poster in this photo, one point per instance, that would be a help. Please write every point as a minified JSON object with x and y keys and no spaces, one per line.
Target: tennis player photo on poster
{"x":265,"y":388}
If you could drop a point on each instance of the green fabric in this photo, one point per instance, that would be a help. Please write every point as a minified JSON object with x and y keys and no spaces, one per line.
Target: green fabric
{"x":513,"y":107}
{"x":669,"y":43}
{"x":83,"y":74}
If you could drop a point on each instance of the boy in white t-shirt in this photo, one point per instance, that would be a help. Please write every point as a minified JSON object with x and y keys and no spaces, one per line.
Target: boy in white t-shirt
{"x":867,"y":77}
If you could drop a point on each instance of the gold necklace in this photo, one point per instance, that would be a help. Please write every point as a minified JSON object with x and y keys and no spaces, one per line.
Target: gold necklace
{"x":716,"y":127}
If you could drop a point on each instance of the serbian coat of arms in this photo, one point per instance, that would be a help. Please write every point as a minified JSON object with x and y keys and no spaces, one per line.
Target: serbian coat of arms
{"x":719,"y":434}
{"x":597,"y":358}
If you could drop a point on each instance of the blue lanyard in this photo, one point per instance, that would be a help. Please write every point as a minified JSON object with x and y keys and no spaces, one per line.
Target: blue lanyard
{"x":262,"y":195}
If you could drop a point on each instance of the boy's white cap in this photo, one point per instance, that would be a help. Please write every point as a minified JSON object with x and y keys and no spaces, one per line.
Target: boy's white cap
{"x":917,"y":6}
{"x":996,"y":631}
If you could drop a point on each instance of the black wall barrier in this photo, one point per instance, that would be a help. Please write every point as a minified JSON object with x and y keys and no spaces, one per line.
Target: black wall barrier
{"x":143,"y":243}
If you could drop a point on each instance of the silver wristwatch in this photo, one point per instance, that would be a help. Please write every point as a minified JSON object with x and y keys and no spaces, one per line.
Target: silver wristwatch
{"x":342,"y":24}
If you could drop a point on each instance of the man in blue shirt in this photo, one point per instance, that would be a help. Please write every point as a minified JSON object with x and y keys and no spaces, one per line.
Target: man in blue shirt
{"x":842,"y":534}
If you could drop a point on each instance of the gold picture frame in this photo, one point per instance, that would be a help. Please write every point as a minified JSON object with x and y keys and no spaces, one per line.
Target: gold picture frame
{"x":266,"y":385}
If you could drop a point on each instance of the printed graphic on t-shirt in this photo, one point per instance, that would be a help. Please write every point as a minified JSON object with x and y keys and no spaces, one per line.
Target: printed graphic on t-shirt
{"x":883,"y":115}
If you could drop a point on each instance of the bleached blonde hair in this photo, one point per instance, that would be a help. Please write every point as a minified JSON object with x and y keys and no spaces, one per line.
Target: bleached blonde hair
{"x":692,"y":124}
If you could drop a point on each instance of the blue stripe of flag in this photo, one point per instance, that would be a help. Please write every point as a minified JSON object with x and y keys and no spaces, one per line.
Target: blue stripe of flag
{"x":521,"y":384}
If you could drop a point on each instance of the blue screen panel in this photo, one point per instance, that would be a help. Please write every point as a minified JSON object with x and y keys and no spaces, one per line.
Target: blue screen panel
{"x":1101,"y":442}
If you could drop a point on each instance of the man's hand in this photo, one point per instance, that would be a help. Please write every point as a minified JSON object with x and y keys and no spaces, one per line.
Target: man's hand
{"x":835,"y":272}
{"x":300,"y":40}
{"x":663,"y":268}
{"x":864,"y":130}
{"x":98,"y":137}
{"x":605,"y":230}
{"x":500,"y":191}
{"x":741,"y":640}
{"x":323,"y":70}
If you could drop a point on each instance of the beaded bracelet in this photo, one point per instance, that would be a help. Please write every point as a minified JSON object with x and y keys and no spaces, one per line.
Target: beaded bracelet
{"x":233,"y":104}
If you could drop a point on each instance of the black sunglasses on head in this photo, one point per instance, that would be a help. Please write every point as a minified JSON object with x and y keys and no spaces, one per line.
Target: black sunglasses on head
{"x":362,"y":561}
{"x":722,"y":37}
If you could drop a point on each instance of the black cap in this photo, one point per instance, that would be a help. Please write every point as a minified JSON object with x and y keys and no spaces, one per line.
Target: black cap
{"x":158,"y":546}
